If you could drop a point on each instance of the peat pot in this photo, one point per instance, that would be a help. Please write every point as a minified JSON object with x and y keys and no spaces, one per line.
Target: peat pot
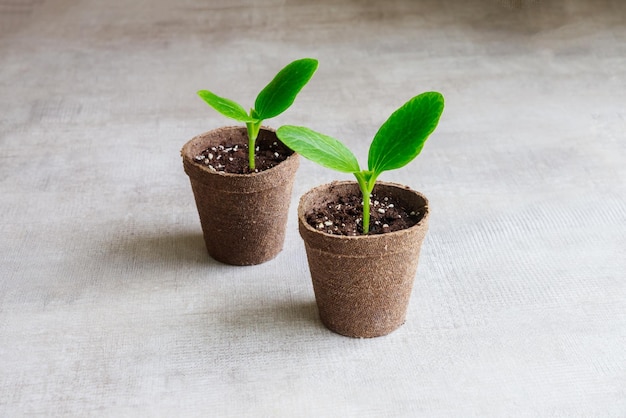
{"x":243,"y":216}
{"x":363,"y":283}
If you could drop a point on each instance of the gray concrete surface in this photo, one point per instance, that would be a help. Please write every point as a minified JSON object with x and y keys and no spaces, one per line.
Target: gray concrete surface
{"x":109,"y":305}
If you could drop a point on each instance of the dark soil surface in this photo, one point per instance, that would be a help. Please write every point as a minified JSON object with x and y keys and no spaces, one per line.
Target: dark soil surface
{"x":232,"y":157}
{"x":345,"y":216}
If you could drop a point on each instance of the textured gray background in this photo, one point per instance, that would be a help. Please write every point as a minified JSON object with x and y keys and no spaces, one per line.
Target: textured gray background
{"x":109,"y":304}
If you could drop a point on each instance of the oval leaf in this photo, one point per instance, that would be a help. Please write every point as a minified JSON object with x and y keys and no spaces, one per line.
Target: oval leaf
{"x":281,"y":92}
{"x":319,"y":148}
{"x":225,"y":106}
{"x":401,"y":138}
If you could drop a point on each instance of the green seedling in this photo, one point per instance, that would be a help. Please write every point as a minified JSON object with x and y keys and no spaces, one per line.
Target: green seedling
{"x":398,"y":141}
{"x":273,"y":100}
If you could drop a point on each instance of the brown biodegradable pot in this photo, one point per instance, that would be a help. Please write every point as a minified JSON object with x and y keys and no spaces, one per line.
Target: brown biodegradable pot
{"x":243,"y":216}
{"x":363,"y":283}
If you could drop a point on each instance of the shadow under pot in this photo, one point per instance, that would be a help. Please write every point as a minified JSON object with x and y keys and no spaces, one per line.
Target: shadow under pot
{"x":363,"y":283}
{"x":243,"y":216}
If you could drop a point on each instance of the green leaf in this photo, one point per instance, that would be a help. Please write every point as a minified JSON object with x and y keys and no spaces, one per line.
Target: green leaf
{"x":226,"y":107}
{"x":281,"y":92}
{"x":319,"y":148}
{"x":401,"y":138}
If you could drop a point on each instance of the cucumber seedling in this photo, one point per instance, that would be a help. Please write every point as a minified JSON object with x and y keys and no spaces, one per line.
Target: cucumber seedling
{"x":273,"y":100}
{"x":398,"y":141}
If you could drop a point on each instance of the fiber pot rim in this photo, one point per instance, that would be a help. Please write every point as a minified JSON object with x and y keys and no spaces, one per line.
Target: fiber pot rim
{"x":344,"y":243}
{"x":358,"y":237}
{"x":262,"y":179}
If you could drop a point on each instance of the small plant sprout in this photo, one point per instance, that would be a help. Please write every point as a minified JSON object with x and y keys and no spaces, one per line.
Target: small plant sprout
{"x":273,"y":100}
{"x":398,"y":141}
